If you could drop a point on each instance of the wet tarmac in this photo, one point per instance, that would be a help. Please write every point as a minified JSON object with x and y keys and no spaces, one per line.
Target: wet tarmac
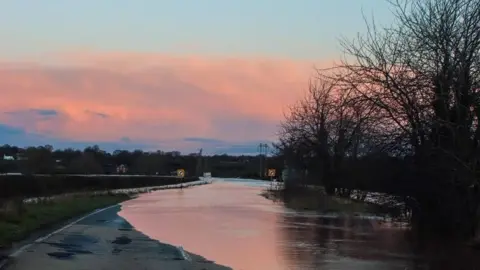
{"x":105,"y":241}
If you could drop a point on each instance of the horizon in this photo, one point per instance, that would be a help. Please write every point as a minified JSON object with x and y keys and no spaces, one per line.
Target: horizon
{"x":111,"y":152}
{"x":158,"y":76}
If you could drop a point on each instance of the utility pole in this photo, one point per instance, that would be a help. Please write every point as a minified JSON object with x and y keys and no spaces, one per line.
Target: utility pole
{"x":199,"y":166}
{"x":259,"y":149}
{"x":205,"y":164}
{"x":265,"y":159}
{"x":263,"y":151}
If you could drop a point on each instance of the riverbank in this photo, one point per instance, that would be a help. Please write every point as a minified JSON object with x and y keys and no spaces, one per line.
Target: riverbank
{"x":20,"y":219}
{"x":315,"y":199}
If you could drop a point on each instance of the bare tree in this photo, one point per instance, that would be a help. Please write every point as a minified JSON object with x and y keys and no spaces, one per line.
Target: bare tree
{"x":324,"y":129}
{"x":304,"y":134}
{"x":422,"y":76}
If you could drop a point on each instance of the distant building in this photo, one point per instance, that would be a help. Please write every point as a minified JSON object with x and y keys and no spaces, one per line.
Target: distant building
{"x":5,"y":157}
{"x":122,"y":168}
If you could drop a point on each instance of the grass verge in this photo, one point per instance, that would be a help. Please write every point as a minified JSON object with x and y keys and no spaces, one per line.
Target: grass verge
{"x":18,"y":220}
{"x":317,"y":200}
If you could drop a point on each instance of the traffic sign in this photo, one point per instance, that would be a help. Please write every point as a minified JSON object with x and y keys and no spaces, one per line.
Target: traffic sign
{"x":181,"y":173}
{"x":271,"y":172}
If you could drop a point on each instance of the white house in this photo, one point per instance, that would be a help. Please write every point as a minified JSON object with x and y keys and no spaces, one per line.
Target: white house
{"x":122,"y":168}
{"x":5,"y":157}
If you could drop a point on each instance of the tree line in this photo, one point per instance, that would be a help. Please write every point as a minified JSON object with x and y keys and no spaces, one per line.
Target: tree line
{"x":93,"y":160}
{"x":400,"y":114}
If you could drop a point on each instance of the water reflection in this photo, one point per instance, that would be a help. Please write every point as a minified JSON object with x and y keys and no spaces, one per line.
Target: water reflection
{"x":231,"y":224}
{"x":342,"y":243}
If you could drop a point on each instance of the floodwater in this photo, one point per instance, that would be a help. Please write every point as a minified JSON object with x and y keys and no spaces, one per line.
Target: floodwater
{"x":229,"y":222}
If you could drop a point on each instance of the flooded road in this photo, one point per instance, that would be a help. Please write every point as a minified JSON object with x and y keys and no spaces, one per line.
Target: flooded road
{"x":229,"y":222}
{"x":103,"y":240}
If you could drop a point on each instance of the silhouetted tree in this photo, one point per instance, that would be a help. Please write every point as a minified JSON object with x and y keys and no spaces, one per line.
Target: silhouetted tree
{"x":86,"y":163}
{"x":39,"y":160}
{"x":417,"y":84}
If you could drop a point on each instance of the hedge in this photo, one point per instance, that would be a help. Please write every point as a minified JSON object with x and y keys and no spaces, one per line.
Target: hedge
{"x":47,"y":185}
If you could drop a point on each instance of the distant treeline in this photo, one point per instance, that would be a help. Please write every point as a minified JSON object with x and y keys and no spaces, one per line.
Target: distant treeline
{"x":93,"y":160}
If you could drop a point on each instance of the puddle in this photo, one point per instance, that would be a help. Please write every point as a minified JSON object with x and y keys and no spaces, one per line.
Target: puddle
{"x":116,"y":251}
{"x":72,"y":245}
{"x":122,"y":240}
{"x":61,"y":255}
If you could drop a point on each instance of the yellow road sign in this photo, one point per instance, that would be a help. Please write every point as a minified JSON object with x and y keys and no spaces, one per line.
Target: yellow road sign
{"x":181,"y":173}
{"x":271,"y":172}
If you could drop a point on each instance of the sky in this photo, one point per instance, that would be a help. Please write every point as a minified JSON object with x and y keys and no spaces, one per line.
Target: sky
{"x":164,"y":74}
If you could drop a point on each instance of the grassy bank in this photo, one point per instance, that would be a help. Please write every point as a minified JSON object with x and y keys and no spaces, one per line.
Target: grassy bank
{"x":18,"y":220}
{"x":317,"y":200}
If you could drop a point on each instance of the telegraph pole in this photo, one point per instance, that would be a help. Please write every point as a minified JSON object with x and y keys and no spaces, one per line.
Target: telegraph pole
{"x":205,"y":164}
{"x":265,"y":158}
{"x":260,"y":148}
{"x":199,"y":167}
{"x":263,"y":151}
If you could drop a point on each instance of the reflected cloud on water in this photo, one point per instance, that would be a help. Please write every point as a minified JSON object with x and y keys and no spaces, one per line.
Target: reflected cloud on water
{"x":232,"y":225}
{"x":341,"y":243}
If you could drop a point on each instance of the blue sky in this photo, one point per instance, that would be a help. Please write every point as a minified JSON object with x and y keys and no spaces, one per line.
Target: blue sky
{"x":279,"y":28}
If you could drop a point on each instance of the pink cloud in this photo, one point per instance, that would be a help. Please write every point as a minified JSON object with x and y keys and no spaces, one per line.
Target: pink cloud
{"x":149,"y":97}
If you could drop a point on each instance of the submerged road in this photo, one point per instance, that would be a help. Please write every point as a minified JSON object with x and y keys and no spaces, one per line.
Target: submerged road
{"x":229,"y":222}
{"x":104,"y":241}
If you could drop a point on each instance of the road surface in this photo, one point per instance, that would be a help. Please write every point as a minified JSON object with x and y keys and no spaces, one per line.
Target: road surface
{"x":104,"y":241}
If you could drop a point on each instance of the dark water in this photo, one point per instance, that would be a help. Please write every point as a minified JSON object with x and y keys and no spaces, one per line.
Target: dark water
{"x":229,"y":222}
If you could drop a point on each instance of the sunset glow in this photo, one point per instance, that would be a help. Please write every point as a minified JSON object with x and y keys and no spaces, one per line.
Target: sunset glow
{"x":152,"y":99}
{"x":158,"y":76}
